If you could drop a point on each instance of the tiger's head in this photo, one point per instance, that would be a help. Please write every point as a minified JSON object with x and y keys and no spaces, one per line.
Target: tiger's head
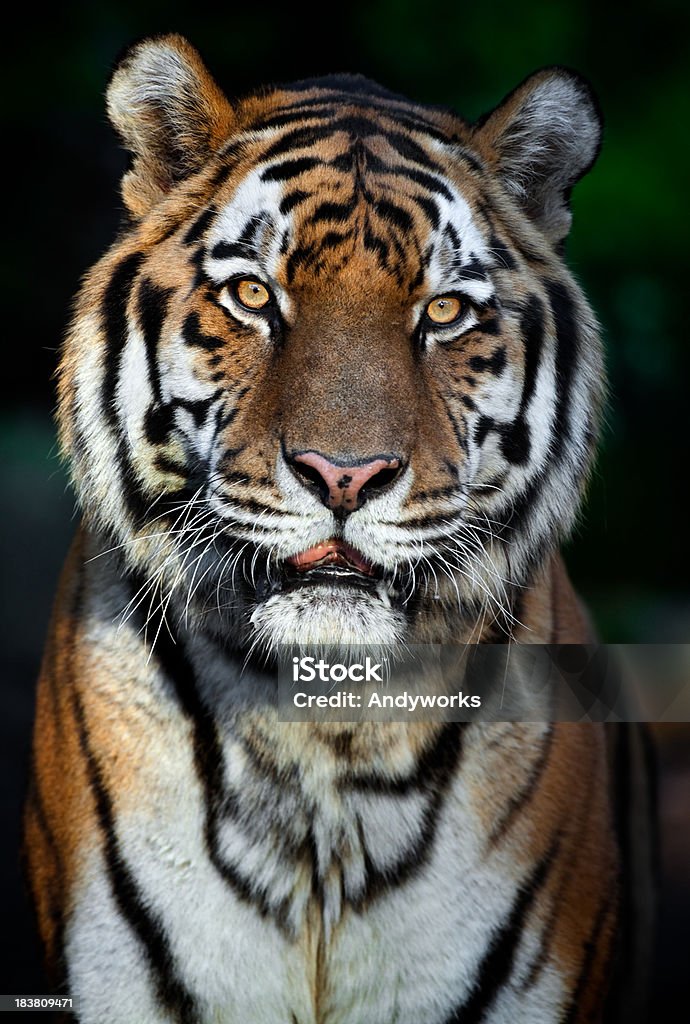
{"x":334,"y":381}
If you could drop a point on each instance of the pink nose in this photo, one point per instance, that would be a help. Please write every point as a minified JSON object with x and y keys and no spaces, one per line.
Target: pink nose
{"x":346,"y":487}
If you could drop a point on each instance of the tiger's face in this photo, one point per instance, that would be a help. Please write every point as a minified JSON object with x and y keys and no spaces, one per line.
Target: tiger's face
{"x":335,"y":382}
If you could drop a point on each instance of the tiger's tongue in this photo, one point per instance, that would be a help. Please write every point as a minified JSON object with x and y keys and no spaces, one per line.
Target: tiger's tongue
{"x":331,"y":552}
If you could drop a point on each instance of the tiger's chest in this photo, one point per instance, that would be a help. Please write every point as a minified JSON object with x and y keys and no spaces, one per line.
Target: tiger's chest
{"x":271,"y":900}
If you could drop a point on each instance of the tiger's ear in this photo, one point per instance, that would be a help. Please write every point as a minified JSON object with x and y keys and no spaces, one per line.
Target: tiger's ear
{"x":170,"y":114}
{"x":540,"y":140}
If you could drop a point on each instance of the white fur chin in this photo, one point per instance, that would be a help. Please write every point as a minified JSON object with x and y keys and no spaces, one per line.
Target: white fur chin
{"x":327,"y":615}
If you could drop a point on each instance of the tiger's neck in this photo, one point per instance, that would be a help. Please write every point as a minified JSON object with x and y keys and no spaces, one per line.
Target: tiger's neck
{"x":332,"y":811}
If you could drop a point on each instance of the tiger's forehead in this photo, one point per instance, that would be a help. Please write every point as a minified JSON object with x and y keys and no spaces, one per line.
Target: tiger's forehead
{"x":348,"y":183}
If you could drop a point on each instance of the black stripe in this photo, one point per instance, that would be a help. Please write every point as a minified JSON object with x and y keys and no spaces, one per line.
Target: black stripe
{"x":293,"y":199}
{"x":402,"y":251}
{"x":567,"y":351}
{"x":377,"y":245}
{"x":199,"y":407}
{"x":166,"y":465}
{"x":470,"y":158}
{"x":532,"y":330}
{"x":491,"y":326}
{"x":226,"y":418}
{"x":345,"y":162}
{"x":298,"y":138}
{"x":418,"y":522}
{"x":428,"y":181}
{"x":450,"y":490}
{"x":435,"y":763}
{"x":231,"y":250}
{"x":194,"y":336}
{"x":432,"y":778}
{"x":356,"y":126}
{"x":516,"y":439}
{"x":453,"y":238}
{"x":248,"y":505}
{"x":482,"y":427}
{"x":416,"y":124}
{"x":235,"y":477}
{"x":331,"y":240}
{"x":329,"y":211}
{"x":496,"y":966}
{"x":521,"y":245}
{"x":301,"y":256}
{"x":515,"y":511}
{"x":430,"y":208}
{"x":255,"y":223}
{"x":114,"y":311}
{"x":307,"y":256}
{"x":134,"y":908}
{"x":473,"y":270}
{"x":458,"y":432}
{"x":290,"y":115}
{"x":526,"y":792}
{"x":394,"y":214}
{"x":590,"y":951}
{"x":410,"y":150}
{"x":199,"y":226}
{"x":516,"y":442}
{"x":502,"y":254}
{"x":52,"y":893}
{"x":495,"y":363}
{"x":289,"y":169}
{"x":152,"y":306}
{"x":159,"y":422}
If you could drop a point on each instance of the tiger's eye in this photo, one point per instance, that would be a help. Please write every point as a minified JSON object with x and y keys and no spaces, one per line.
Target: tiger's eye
{"x":444,"y":310}
{"x":252,"y":294}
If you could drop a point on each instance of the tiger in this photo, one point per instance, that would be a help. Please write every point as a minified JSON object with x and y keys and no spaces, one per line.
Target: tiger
{"x":332,"y":383}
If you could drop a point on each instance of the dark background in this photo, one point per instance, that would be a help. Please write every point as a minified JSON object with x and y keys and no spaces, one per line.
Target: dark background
{"x":631,"y":554}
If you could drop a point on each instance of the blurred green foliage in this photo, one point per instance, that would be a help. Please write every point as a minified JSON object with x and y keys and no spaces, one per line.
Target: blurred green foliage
{"x":631,"y":556}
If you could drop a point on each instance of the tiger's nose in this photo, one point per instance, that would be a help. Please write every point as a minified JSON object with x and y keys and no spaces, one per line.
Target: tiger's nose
{"x":346,"y":486}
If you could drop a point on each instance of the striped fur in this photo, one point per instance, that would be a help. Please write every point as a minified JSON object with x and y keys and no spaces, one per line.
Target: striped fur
{"x":193,"y":859}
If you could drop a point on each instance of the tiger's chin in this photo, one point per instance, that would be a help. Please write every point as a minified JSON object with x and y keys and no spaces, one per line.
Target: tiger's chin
{"x":328,"y":594}
{"x":323,"y":613}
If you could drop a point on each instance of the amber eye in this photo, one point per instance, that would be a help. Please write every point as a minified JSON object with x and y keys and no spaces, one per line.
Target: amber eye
{"x":252,"y":294}
{"x":444,"y":310}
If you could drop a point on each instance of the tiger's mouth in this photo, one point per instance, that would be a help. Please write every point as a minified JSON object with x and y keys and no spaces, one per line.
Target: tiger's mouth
{"x":333,"y":562}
